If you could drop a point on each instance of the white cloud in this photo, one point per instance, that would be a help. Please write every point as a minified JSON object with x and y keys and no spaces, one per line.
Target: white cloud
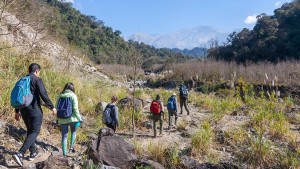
{"x":278,"y":3}
{"x":250,"y":19}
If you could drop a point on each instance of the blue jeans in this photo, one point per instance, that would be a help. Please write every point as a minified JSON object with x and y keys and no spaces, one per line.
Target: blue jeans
{"x":64,"y":133}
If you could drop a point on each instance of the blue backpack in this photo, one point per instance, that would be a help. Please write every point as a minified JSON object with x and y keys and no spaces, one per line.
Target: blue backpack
{"x":171,"y":103}
{"x":21,"y":96}
{"x":64,"y":108}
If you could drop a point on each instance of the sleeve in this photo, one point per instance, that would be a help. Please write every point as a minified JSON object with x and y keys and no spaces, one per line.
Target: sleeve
{"x":44,"y":94}
{"x":116,"y":110}
{"x":175,"y":103}
{"x":75,"y":107}
{"x":56,"y":104}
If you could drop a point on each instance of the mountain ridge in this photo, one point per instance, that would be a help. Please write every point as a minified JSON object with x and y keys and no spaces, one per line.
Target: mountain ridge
{"x":185,"y":38}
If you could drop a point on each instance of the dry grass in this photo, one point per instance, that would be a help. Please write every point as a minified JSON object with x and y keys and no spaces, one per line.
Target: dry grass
{"x":288,"y":73}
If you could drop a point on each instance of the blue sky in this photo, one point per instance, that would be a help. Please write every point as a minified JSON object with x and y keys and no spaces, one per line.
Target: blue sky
{"x":165,"y":16}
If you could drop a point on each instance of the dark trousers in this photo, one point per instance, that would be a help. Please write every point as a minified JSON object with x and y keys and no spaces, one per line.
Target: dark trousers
{"x":157,"y":117}
{"x":183,"y":102}
{"x":112,"y":126}
{"x":33,"y":119}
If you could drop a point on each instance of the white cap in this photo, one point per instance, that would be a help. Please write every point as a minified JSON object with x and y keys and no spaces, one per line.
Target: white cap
{"x":174,"y":94}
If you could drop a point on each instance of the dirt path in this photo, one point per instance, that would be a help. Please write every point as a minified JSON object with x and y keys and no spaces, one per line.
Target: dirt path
{"x":188,"y":124}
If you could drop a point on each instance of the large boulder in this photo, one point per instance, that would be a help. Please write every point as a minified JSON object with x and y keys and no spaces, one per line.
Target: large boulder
{"x":100,"y":107}
{"x":56,"y":161}
{"x":110,"y":149}
{"x":127,"y":102}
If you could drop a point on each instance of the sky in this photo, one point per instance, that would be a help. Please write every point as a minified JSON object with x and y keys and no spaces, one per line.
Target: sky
{"x":166,"y":16}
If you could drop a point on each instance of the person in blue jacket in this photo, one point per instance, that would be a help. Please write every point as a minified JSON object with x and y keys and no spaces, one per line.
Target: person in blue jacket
{"x":172,"y":110}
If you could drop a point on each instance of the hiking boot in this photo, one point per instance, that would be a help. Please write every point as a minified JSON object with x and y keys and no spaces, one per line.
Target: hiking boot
{"x":169,"y":127}
{"x":188,"y":113}
{"x":18,"y":157}
{"x":33,"y":155}
{"x":72,"y":150}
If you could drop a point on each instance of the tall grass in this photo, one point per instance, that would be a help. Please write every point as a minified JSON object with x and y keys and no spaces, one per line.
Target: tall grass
{"x":288,"y":72}
{"x":202,"y":140}
{"x":165,"y":153}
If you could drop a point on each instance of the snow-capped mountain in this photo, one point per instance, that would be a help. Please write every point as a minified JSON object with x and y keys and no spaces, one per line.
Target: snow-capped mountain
{"x":186,"y":38}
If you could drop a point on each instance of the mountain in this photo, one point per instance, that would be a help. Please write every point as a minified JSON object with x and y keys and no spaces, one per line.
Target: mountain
{"x":186,"y":38}
{"x":197,"y":52}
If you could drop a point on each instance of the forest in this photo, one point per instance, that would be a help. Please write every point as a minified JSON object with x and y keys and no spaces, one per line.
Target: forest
{"x":274,"y":38}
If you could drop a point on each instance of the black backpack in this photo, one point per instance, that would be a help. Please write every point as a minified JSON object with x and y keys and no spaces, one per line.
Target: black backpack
{"x":107,"y":114}
{"x":183,"y":91}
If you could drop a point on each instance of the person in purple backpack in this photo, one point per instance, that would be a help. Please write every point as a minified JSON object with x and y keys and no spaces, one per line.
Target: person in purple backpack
{"x":68,"y":115}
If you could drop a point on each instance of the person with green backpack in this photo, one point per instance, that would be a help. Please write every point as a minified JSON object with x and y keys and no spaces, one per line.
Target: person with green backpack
{"x":68,"y":115}
{"x":172,"y":109}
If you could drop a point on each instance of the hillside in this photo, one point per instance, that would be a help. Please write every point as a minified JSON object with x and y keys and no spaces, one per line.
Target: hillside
{"x":99,"y":42}
{"x":274,"y":38}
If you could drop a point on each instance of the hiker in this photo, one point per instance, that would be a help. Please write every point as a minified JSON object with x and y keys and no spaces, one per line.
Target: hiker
{"x":110,"y":115}
{"x":32,"y":114}
{"x":183,"y":98}
{"x":157,"y":111}
{"x":68,"y":115}
{"x":172,"y":109}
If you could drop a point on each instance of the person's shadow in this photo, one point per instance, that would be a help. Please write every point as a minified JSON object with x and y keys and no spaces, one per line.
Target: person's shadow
{"x":19,"y":134}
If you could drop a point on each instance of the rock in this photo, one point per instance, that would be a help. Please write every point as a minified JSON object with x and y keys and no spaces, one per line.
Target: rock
{"x":2,"y":167}
{"x":234,"y":113}
{"x":186,"y":134}
{"x":111,"y":150}
{"x":29,"y":166}
{"x":127,"y":102}
{"x":93,"y":136}
{"x":2,"y":126}
{"x":143,"y":164}
{"x":75,"y":166}
{"x":220,"y":136}
{"x":187,"y":162}
{"x":100,"y":107}
{"x":56,"y":161}
{"x":148,"y":125}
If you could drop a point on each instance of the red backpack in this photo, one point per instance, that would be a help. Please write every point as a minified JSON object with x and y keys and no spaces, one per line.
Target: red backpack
{"x":155,"y":107}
